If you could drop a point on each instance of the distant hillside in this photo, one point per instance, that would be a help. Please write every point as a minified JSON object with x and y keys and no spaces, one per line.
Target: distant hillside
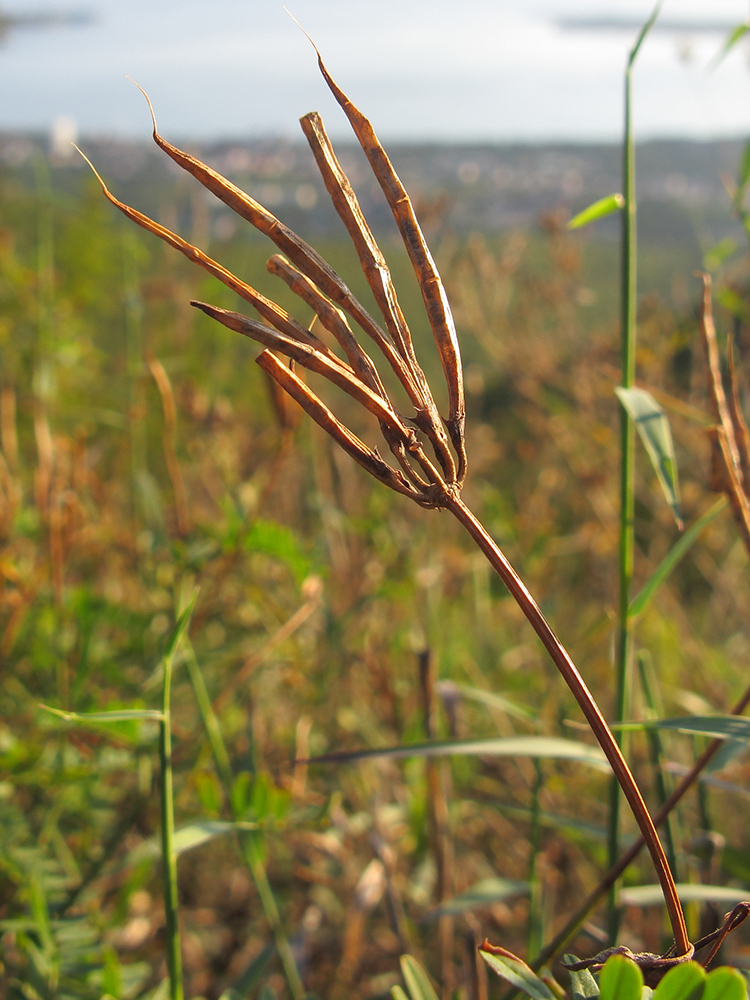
{"x":459,"y":188}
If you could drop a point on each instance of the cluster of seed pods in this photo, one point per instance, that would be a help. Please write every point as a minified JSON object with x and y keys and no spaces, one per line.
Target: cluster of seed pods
{"x":426,"y":478}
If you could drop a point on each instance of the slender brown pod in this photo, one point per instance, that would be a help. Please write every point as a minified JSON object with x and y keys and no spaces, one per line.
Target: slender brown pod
{"x":433,"y":291}
{"x":739,"y":426}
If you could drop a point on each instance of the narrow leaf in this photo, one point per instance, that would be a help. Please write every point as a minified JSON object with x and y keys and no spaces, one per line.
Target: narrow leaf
{"x":724,"y":984}
{"x":620,"y":979}
{"x":544,"y":747}
{"x":744,"y":172}
{"x":718,"y":727}
{"x":599,"y":210}
{"x":490,"y":890}
{"x":198,"y":833}
{"x":735,"y":35}
{"x":683,"y":982}
{"x":651,"y":895}
{"x":644,"y":31}
{"x":118,"y":715}
{"x":640,"y":602}
{"x":251,"y":976}
{"x":398,"y":994}
{"x":516,"y":972}
{"x":447,"y":689}
{"x":416,"y":979}
{"x":653,"y":426}
{"x":582,"y":983}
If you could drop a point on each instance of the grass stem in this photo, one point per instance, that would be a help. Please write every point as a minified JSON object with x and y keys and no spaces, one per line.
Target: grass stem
{"x":168,"y":852}
{"x":629,"y":282}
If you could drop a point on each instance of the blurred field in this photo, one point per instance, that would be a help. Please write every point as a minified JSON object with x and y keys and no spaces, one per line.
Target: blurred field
{"x":319,"y":595}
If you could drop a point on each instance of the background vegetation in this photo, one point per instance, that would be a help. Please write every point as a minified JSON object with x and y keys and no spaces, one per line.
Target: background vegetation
{"x":144,"y":456}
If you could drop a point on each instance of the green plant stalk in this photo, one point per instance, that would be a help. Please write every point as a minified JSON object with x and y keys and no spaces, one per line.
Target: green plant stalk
{"x":248,"y":841}
{"x":536,"y":930}
{"x":168,"y":853}
{"x":629,"y":279}
{"x":656,"y":752}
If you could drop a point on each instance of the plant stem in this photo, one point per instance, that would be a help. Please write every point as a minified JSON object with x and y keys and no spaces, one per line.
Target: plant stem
{"x":627,"y":484}
{"x":569,"y":930}
{"x":248,"y":841}
{"x":535,"y":887}
{"x":168,"y":854}
{"x":628,"y":293}
{"x":589,"y":707}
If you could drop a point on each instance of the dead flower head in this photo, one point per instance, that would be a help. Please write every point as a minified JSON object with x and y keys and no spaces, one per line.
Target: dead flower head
{"x":429,"y":466}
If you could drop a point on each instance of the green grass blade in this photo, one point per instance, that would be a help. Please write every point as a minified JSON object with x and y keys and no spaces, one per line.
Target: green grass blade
{"x":735,"y":35}
{"x":484,"y":893}
{"x":644,"y":596}
{"x":166,"y":796}
{"x":397,"y":993}
{"x":488,"y":698}
{"x":644,"y":31}
{"x":689,"y":892}
{"x":416,"y":979}
{"x":188,"y":837}
{"x":717,"y":727}
{"x":118,"y":715}
{"x":652,"y":425}
{"x":516,"y":972}
{"x":535,"y":747}
{"x":252,"y":974}
{"x":598,"y":210}
{"x":620,"y":979}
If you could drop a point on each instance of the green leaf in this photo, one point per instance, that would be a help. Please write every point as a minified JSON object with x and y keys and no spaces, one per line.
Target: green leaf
{"x":198,"y":833}
{"x":644,"y":31}
{"x":181,"y":627}
{"x":653,"y":427}
{"x":189,"y":837}
{"x":717,"y":727}
{"x":279,"y":542}
{"x":721,"y":251}
{"x":683,"y":982}
{"x":599,"y":210}
{"x":398,"y":994}
{"x":651,"y":895}
{"x":640,"y":602}
{"x":620,"y":979}
{"x":735,"y":35}
{"x":544,"y":747}
{"x":724,"y":984}
{"x":119,"y":715}
{"x":743,"y":176}
{"x":489,"y":890}
{"x":251,"y":976}
{"x":516,"y":972}
{"x":416,"y":979}
{"x":582,"y":983}
{"x":488,"y":698}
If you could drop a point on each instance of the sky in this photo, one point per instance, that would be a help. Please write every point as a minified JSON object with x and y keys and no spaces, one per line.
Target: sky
{"x":422,"y":70}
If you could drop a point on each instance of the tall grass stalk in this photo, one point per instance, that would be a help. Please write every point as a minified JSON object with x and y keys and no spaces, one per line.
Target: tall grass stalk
{"x":249,"y":840}
{"x":629,"y":287}
{"x":166,"y":801}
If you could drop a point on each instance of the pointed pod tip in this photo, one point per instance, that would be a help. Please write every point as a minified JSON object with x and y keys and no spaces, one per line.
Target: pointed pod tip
{"x":305,"y":33}
{"x":148,"y":101}
{"x":94,"y":171}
